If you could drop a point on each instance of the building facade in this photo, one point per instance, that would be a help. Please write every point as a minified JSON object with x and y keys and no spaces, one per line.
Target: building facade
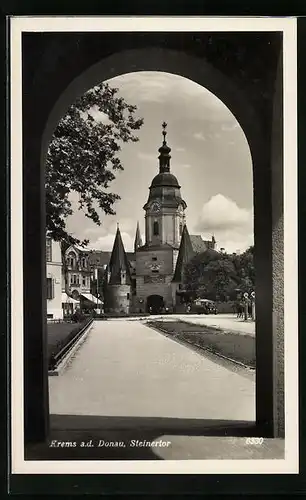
{"x":54,"y":279}
{"x":79,"y":273}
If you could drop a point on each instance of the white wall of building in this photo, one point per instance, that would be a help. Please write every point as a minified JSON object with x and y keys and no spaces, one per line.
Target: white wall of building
{"x":54,"y":272}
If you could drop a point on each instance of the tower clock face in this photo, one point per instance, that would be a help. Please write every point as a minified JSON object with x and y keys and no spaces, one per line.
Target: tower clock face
{"x":155,"y":207}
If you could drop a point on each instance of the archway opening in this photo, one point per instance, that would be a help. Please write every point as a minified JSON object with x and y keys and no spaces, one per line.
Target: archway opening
{"x":204,"y":136}
{"x":155,"y":304}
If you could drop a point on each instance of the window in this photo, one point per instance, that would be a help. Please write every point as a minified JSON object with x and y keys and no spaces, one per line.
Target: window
{"x":128,"y":296}
{"x":71,"y":260}
{"x":74,"y":280}
{"x":154,"y":258}
{"x":84,"y":281}
{"x":181,"y":228}
{"x":83,"y":262}
{"x":50,"y":288}
{"x":155,"y":228}
{"x":155,"y":271}
{"x":48,"y":250}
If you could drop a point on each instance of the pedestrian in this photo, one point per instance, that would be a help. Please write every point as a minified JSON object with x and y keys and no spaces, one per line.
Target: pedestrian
{"x":250,"y":308}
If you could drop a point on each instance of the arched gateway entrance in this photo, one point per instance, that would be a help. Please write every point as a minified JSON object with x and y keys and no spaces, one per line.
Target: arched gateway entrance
{"x":155,"y":304}
{"x":254,"y":96}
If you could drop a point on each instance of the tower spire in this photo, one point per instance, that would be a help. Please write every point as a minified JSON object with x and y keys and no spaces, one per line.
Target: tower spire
{"x":138,"y":240}
{"x":118,"y":263}
{"x":164,"y":150}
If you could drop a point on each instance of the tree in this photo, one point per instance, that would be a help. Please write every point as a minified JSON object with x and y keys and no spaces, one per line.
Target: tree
{"x":212,"y":274}
{"x":83,"y":158}
{"x":244,"y":265}
{"x":220,"y":277}
{"x":193,"y":272}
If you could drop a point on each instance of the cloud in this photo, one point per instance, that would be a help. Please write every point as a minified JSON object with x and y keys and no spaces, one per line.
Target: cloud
{"x":106,"y":242}
{"x":234,"y":241}
{"x":223,"y":213}
{"x":180,"y":150}
{"x":145,"y":86}
{"x":229,"y":127}
{"x":231,"y":225}
{"x":199,"y":136}
{"x":160,"y":87}
{"x":109,"y":225}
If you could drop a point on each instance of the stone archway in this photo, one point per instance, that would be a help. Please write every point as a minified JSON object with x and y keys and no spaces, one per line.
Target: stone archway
{"x":155,"y":304}
{"x":48,"y":91}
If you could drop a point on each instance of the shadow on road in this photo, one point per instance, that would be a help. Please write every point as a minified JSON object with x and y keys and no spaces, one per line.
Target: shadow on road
{"x":115,"y":438}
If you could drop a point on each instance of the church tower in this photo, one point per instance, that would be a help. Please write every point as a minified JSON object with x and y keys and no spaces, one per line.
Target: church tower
{"x":165,"y":208}
{"x":164,"y":223}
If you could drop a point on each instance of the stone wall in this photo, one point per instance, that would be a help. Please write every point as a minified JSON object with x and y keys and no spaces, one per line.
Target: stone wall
{"x":163,"y":259}
{"x":278,"y":260}
{"x":118,"y":299}
{"x":145,"y":288}
{"x":149,"y":282}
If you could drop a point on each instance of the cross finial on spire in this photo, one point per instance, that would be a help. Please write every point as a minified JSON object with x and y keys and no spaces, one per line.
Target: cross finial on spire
{"x":164,"y":125}
{"x":164,"y":150}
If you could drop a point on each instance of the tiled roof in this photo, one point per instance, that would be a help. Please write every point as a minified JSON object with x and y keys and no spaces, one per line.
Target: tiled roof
{"x":99,"y":258}
{"x":197,"y":243}
{"x":165,"y":246}
{"x":102,"y":258}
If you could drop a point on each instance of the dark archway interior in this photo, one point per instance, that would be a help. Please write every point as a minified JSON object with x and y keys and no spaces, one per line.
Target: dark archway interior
{"x":155,"y":304}
{"x":242,"y":69}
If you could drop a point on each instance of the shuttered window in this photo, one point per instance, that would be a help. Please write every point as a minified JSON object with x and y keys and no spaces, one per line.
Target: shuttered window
{"x":50,"y":288}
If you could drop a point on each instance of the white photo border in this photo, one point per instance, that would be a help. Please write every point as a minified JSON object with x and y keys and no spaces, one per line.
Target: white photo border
{"x":167,"y":24}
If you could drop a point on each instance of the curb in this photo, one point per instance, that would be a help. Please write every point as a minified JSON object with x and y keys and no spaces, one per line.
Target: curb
{"x":69,"y":354}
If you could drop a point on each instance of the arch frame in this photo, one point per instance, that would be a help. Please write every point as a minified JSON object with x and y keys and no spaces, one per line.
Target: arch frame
{"x":269,"y":407}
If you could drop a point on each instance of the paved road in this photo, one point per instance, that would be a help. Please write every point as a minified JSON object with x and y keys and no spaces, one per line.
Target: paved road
{"x":126,"y":369}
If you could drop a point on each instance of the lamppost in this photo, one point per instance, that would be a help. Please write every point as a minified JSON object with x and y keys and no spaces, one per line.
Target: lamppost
{"x":246,"y":297}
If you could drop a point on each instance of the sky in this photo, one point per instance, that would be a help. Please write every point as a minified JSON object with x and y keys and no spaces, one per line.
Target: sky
{"x":210,"y":157}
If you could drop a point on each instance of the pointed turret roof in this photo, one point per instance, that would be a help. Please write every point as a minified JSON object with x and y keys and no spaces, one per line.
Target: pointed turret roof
{"x":185,"y":254}
{"x":138,"y":240}
{"x":118,"y":262}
